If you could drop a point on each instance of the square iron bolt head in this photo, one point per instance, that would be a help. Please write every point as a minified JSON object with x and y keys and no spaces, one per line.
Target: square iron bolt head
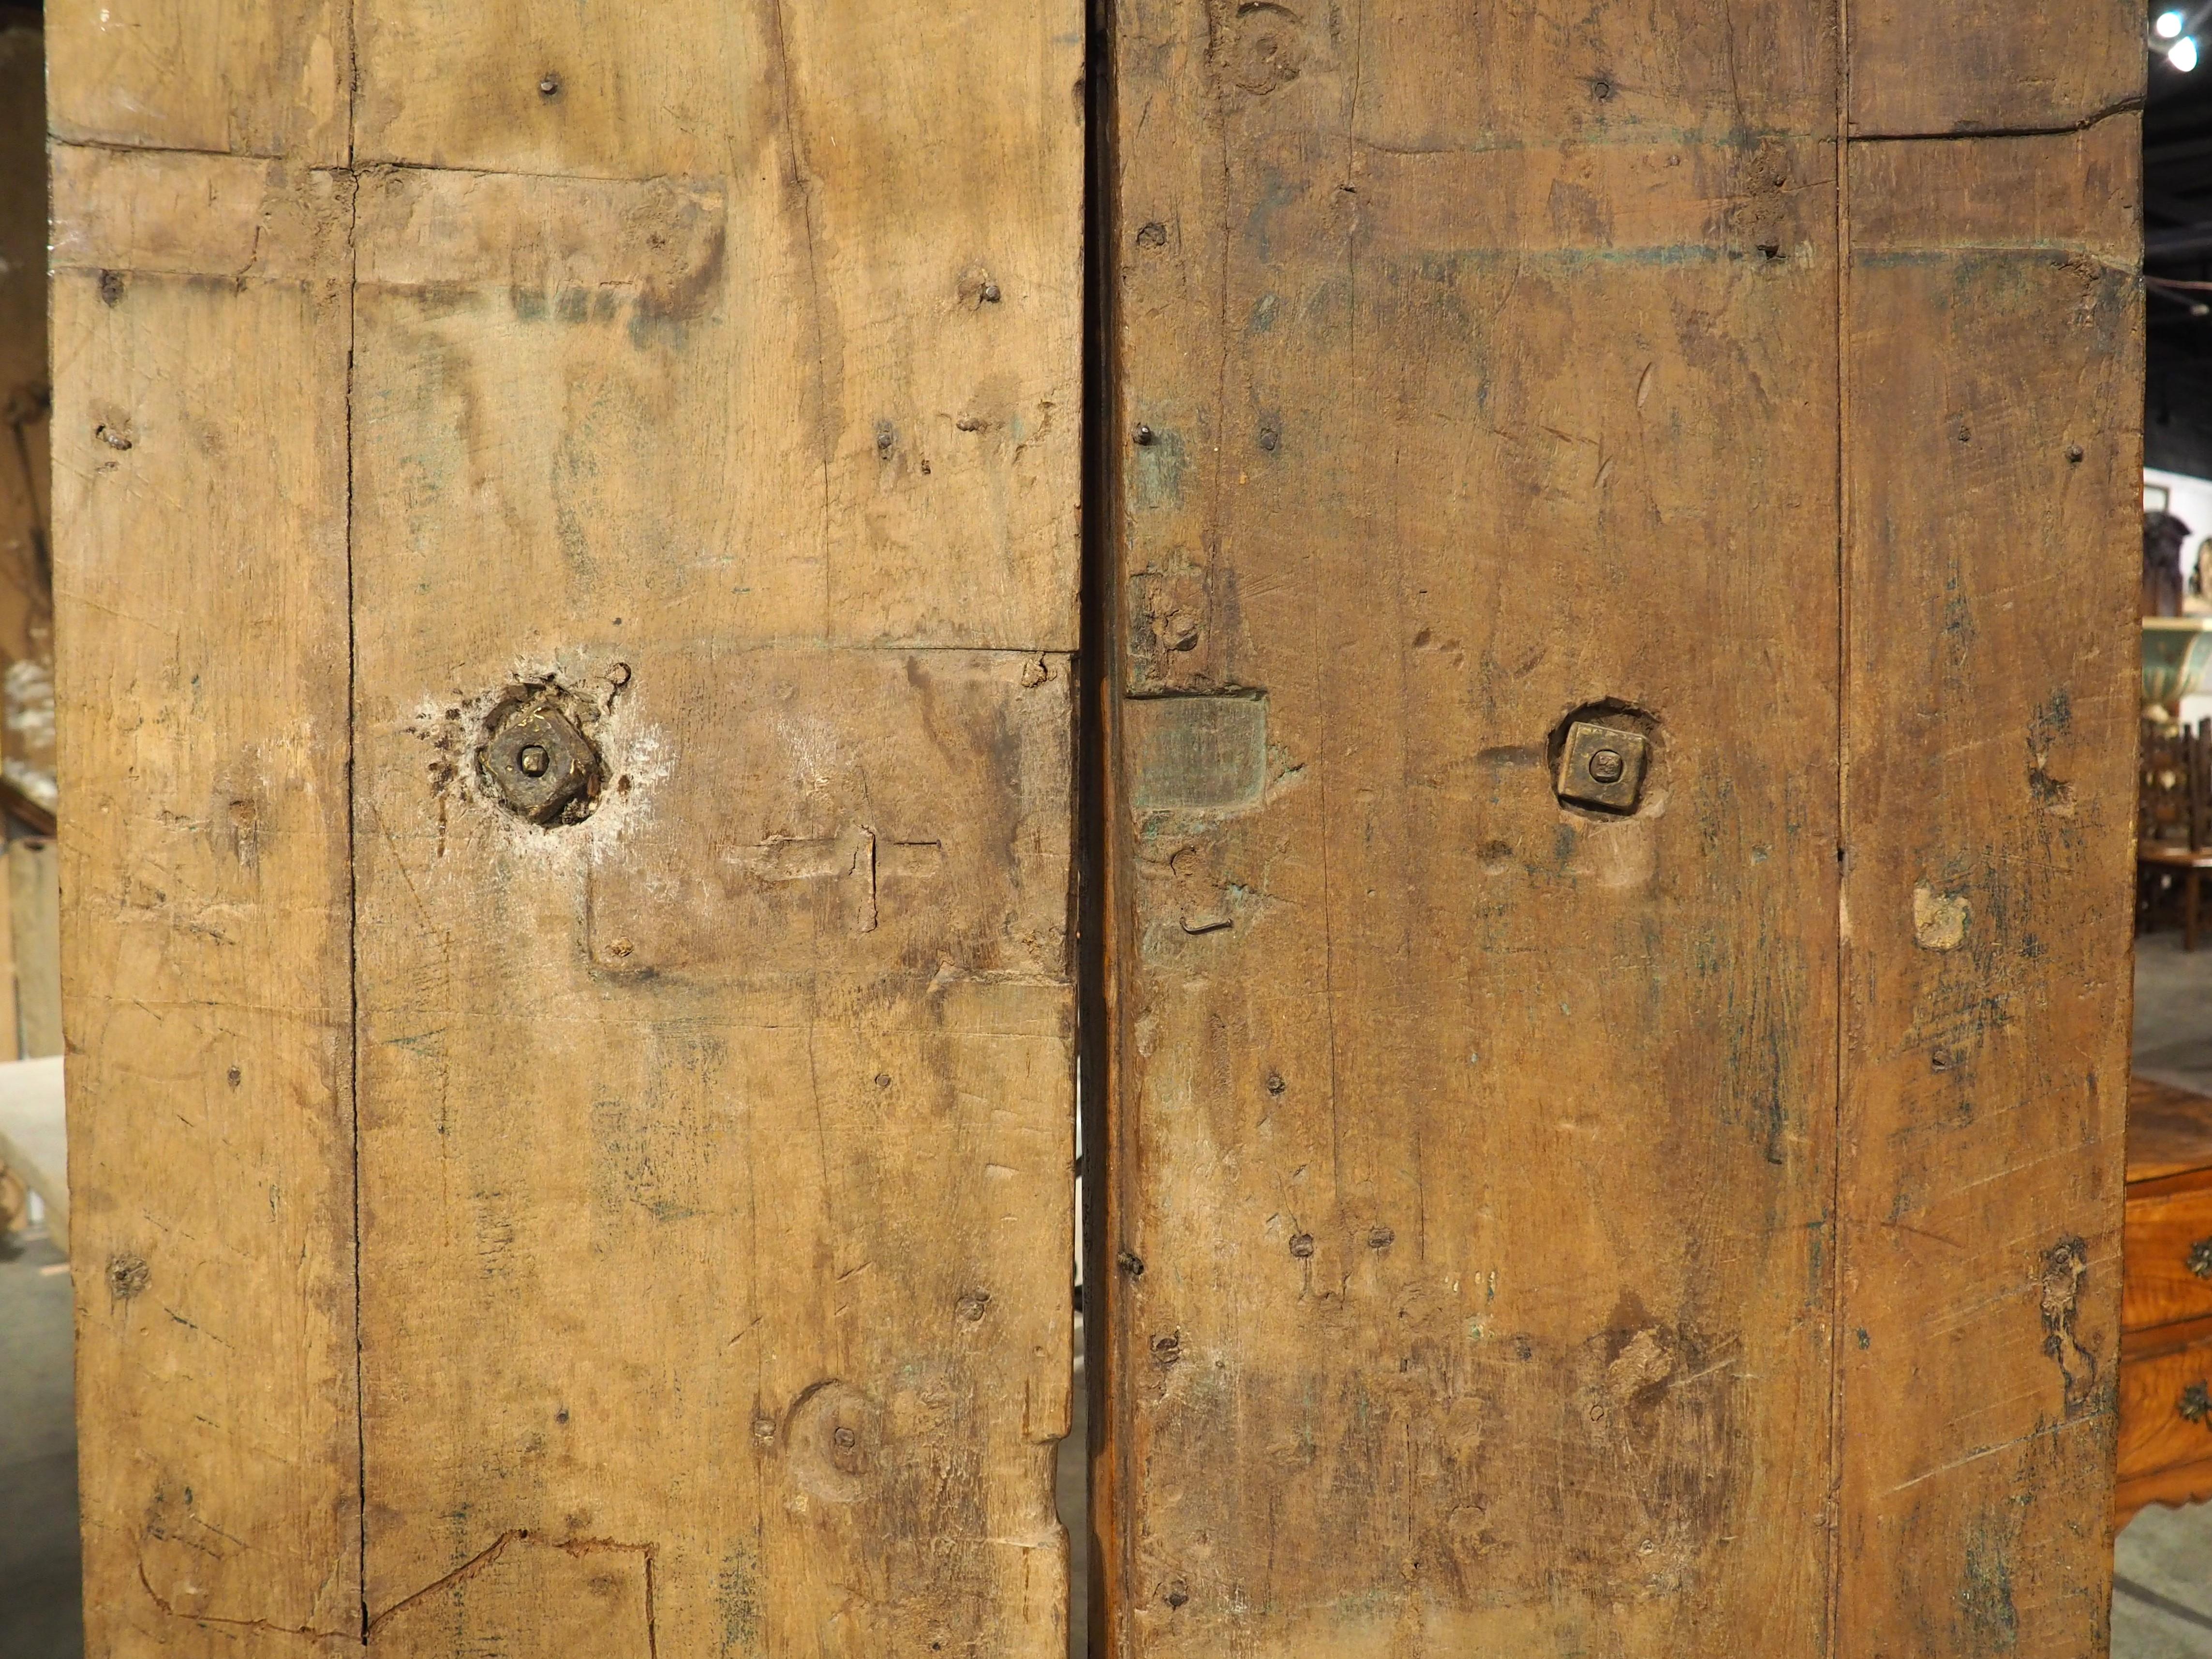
{"x":539,"y":764}
{"x":1602,"y":766}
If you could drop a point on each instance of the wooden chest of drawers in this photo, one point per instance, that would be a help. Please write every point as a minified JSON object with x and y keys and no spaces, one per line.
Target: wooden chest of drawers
{"x":2166,"y":1342}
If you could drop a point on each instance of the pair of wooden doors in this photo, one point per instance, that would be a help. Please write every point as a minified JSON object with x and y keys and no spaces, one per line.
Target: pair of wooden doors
{"x":591,"y":566}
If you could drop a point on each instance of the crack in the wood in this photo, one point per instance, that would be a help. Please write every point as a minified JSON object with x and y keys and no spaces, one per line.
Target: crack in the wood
{"x":2124,"y":107}
{"x":489,"y":1555}
{"x":266,"y":1626}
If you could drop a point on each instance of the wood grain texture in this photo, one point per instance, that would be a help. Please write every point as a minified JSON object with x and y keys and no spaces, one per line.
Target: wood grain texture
{"x":1992,"y":65}
{"x":716,"y":1148}
{"x":2192,"y":1483}
{"x":2162,"y":1426}
{"x":714,"y":1203}
{"x":200,"y":486}
{"x":34,"y":924}
{"x":2162,"y":1234}
{"x":261,"y":79}
{"x":2169,"y":1132}
{"x":1992,"y":464}
{"x":1474,"y":1152}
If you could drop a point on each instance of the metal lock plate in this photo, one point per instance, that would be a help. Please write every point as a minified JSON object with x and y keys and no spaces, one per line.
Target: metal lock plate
{"x":541,"y":767}
{"x":1602,"y":766}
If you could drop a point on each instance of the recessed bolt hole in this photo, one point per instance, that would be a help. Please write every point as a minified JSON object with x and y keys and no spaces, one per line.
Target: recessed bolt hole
{"x":1605,"y":766}
{"x":549,"y":86}
{"x":533,"y":761}
{"x":990,"y":293}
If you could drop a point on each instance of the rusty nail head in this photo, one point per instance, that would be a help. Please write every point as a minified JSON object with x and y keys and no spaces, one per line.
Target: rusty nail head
{"x":540,"y":766}
{"x":1602,"y":766}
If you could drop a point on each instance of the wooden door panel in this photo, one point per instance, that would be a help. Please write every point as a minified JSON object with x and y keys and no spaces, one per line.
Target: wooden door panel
{"x":567,"y":550}
{"x":728,"y":1124}
{"x":706,"y":1279}
{"x":1475,"y":1149}
{"x":1490,"y":1264}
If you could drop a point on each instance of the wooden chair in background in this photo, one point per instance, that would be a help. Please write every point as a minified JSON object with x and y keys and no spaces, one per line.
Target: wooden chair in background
{"x":2173,"y":825}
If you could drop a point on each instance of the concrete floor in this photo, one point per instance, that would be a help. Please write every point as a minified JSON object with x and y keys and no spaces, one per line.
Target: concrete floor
{"x":38,"y":1613}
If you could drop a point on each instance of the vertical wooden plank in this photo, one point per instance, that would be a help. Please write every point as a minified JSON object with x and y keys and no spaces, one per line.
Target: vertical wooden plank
{"x":1993,"y":464}
{"x":34,"y":923}
{"x":1476,"y":1150}
{"x":200,"y":329}
{"x":717,"y":390}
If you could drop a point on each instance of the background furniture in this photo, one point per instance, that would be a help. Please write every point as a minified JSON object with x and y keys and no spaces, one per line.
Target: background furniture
{"x":2166,"y":1307}
{"x":33,"y":1147}
{"x":2173,"y":819}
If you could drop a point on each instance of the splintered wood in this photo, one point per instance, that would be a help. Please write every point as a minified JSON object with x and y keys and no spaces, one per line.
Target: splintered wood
{"x":705,"y":396}
{"x":1487,"y":1273}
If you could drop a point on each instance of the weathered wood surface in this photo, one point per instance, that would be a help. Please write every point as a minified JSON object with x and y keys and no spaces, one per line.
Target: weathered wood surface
{"x":200,"y":330}
{"x":712,"y":1222}
{"x":1478,"y":1195}
{"x":1475,"y":1152}
{"x":1993,"y":464}
{"x":1990,"y":65}
{"x":33,"y":922}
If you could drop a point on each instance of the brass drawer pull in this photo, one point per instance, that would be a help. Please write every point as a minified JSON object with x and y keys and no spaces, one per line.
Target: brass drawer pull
{"x":2200,"y":1258}
{"x":2196,"y":1402}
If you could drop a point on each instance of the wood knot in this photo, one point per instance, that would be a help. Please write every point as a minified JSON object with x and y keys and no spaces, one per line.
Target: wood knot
{"x":127,"y":1275}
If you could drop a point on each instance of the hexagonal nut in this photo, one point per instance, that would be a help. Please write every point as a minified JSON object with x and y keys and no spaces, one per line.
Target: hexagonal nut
{"x":1602,"y":766}
{"x":540,"y":767}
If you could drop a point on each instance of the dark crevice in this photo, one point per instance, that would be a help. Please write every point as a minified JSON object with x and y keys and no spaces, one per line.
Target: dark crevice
{"x":2126,"y":106}
{"x":1087,"y":1620}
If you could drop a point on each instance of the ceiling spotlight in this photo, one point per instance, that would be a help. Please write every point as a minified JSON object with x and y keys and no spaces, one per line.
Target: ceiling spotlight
{"x":2168,"y":25}
{"x":2182,"y":54}
{"x":2200,"y":309}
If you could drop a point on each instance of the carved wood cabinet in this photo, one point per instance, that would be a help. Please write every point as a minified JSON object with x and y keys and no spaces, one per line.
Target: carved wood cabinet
{"x":2166,"y":1348}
